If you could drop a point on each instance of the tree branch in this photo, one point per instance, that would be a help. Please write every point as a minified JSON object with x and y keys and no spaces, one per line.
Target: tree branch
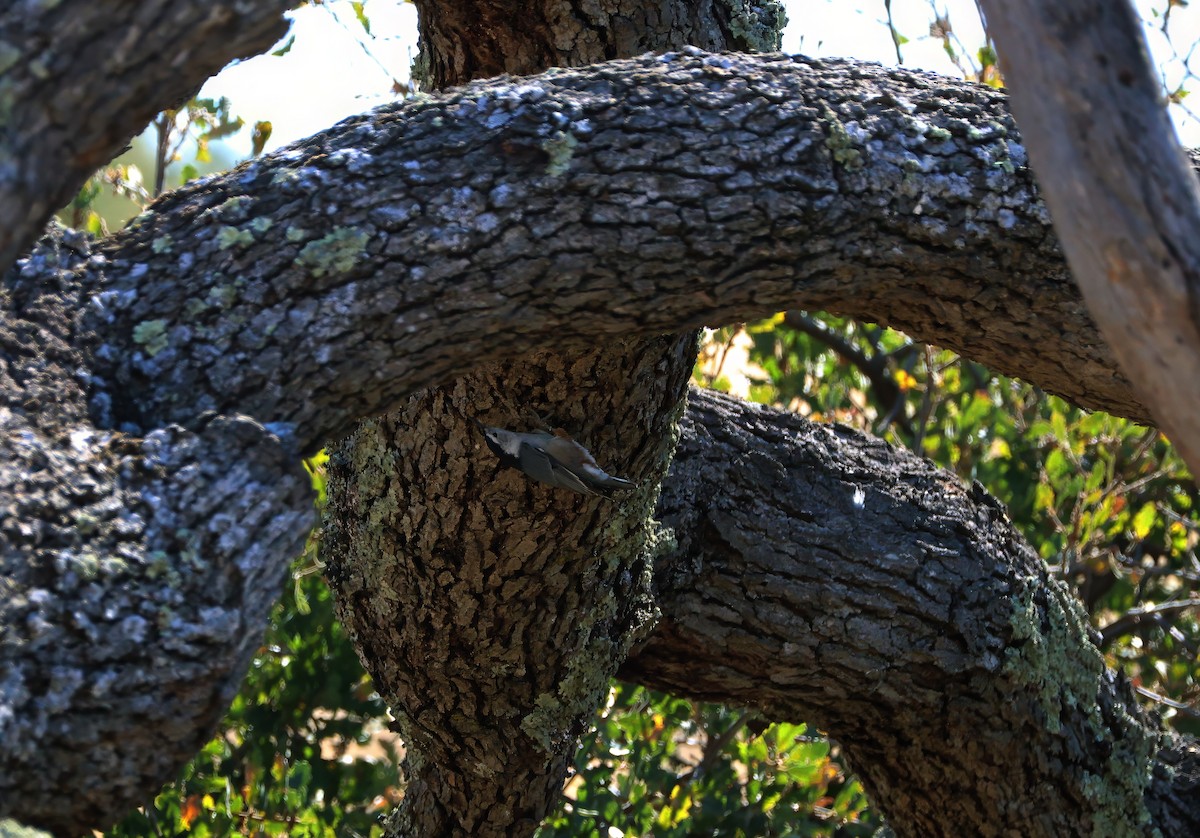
{"x":873,"y":367}
{"x":1123,"y":196}
{"x":762,"y":184}
{"x":822,"y":576}
{"x":76,"y":88}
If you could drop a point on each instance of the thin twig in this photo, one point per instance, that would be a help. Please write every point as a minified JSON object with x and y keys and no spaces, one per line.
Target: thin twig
{"x":1136,"y":617}
{"x":887,"y":6}
{"x":713,"y":749}
{"x":1185,"y":709}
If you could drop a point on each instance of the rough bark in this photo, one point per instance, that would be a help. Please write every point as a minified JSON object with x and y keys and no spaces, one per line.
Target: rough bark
{"x":552,"y":212}
{"x":635,"y":198}
{"x":135,"y":572}
{"x":463,"y":41}
{"x":79,"y":78}
{"x":492,"y":612}
{"x":493,"y":764}
{"x":821,"y":575}
{"x":1123,"y":197}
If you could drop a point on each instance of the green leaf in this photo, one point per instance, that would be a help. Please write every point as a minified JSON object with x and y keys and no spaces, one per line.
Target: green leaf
{"x":361,"y":15}
{"x":1145,"y":519}
{"x":286,"y":48}
{"x":1056,"y":464}
{"x":1044,"y":497}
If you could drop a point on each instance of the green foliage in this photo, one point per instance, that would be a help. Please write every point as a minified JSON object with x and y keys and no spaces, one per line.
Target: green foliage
{"x":121,"y":179}
{"x":658,"y":765}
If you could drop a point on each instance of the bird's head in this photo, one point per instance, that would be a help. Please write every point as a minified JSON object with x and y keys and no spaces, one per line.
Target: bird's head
{"x":504,"y":444}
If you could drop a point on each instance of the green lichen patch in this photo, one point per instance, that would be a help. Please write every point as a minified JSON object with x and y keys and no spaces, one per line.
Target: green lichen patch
{"x":228,"y":237}
{"x":1062,"y":673}
{"x":757,"y":26}
{"x":938,"y":134}
{"x":841,"y":145}
{"x":335,"y":253}
{"x":151,"y":335}
{"x":9,"y":56}
{"x":581,"y":691}
{"x":235,"y":208}
{"x":1051,"y":654}
{"x":560,"y":148}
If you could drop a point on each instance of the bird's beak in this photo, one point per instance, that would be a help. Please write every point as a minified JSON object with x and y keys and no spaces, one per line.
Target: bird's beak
{"x":479,"y":425}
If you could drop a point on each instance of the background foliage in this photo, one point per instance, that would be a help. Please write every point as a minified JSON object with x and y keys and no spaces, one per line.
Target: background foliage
{"x":306,"y":748}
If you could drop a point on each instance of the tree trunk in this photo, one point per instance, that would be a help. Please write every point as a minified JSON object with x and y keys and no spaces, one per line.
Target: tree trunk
{"x":492,"y":611}
{"x":494,"y":680}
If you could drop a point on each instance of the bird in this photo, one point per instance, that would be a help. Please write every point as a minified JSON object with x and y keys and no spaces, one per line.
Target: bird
{"x":552,"y":457}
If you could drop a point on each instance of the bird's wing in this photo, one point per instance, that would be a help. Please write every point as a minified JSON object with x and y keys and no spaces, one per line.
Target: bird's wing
{"x":540,"y":465}
{"x":570,"y":454}
{"x":608,"y":481}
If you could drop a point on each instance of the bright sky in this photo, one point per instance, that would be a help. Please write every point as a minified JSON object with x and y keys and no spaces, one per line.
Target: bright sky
{"x":328,"y":75}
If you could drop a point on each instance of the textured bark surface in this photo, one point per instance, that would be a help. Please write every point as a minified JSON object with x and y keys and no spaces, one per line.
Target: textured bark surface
{"x":492,"y":723}
{"x":492,"y":611}
{"x":146,"y":522}
{"x":472,"y":39}
{"x":79,"y":79}
{"x":641,"y":197}
{"x":1123,"y":196}
{"x":821,"y":575}
{"x":135,"y":573}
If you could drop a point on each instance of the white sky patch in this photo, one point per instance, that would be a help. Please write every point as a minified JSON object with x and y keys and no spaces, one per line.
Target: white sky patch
{"x":328,"y":76}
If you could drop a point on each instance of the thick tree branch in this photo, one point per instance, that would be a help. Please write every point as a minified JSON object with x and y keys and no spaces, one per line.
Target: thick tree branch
{"x":633,"y":198}
{"x":135,"y":573}
{"x":1124,"y":199}
{"x":822,"y":576}
{"x":80,"y":78}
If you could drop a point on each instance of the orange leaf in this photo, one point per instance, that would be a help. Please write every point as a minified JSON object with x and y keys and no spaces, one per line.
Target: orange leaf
{"x":190,"y":810}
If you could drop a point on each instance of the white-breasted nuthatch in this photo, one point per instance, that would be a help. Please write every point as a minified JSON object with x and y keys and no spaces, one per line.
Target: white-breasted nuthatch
{"x":552,"y":458}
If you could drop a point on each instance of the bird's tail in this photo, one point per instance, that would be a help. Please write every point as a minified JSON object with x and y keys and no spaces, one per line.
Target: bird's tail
{"x":608,"y":483}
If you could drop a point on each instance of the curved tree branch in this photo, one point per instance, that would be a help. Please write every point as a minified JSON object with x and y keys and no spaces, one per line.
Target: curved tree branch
{"x":822,"y":576}
{"x":76,"y":87}
{"x":329,"y":281}
{"x":389,"y":253}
